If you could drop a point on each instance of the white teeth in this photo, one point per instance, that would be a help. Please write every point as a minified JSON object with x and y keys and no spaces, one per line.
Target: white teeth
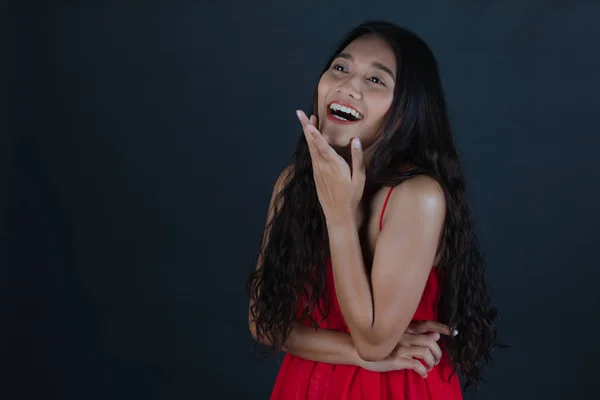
{"x":348,"y":110}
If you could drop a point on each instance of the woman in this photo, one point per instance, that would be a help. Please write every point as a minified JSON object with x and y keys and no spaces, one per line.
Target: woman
{"x":369,"y":237}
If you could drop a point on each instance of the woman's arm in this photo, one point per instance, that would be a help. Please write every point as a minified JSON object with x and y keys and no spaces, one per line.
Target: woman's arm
{"x":378,"y":310}
{"x":321,"y":345}
{"x":335,"y":347}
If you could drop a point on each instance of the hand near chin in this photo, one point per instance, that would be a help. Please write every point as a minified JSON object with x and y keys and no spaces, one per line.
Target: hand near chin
{"x":339,"y":189}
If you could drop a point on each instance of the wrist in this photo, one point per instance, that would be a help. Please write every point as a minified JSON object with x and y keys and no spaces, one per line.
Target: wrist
{"x":341,"y":231}
{"x":340,"y":218}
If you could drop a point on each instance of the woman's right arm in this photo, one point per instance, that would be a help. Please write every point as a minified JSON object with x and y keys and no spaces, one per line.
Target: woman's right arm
{"x":322,"y":345}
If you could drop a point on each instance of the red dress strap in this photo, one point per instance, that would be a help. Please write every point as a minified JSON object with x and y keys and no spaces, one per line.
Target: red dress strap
{"x":387,"y":198}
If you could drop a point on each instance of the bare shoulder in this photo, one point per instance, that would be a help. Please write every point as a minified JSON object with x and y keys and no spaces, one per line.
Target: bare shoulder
{"x":423,"y":190}
{"x":421,"y":195}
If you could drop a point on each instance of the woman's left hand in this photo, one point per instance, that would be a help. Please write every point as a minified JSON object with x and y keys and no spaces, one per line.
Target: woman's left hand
{"x":339,"y":189}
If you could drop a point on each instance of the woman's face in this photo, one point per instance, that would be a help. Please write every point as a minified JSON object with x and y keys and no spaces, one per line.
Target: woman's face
{"x":356,"y":92}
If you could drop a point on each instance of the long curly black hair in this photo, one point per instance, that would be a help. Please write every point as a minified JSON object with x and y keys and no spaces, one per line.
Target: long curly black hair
{"x":418,"y":133}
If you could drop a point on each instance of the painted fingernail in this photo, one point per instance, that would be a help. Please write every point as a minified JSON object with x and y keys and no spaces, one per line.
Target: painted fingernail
{"x":356,"y":143}
{"x":454,"y":332}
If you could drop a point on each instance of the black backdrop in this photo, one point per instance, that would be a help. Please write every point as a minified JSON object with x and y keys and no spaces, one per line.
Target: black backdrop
{"x":146,"y":140}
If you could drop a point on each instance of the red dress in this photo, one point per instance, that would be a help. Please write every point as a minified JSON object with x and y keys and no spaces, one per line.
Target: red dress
{"x":299,"y":378}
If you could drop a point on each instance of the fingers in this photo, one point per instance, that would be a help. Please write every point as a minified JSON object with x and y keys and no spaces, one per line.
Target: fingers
{"x":426,"y":341}
{"x":410,"y":358}
{"x":424,"y":353}
{"x":316,"y":142}
{"x":358,"y":165}
{"x":415,"y":365}
{"x":305,"y":126}
{"x":419,"y":368}
{"x":430,"y":326}
{"x":302,"y":117}
{"x":308,"y":134}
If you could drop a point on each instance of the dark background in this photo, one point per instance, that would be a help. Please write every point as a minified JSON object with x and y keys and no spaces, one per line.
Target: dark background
{"x":140,"y":142}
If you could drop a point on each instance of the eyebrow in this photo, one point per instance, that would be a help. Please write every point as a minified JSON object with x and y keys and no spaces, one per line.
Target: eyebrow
{"x":375,"y":64}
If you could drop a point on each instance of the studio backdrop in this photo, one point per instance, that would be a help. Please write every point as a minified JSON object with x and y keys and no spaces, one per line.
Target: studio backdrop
{"x":140,"y":143}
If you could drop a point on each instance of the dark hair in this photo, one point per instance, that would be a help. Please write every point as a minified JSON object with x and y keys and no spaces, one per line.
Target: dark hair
{"x":417,"y":132}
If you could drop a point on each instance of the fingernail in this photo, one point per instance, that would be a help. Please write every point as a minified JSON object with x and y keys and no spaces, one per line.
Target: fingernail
{"x":299,"y":113}
{"x":454,"y":332}
{"x":356,"y":143}
{"x":436,"y":336}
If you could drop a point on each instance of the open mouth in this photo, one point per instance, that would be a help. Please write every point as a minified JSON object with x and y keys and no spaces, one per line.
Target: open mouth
{"x":344,"y":113}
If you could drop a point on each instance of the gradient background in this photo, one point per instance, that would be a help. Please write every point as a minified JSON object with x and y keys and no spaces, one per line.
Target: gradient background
{"x":140,"y":142}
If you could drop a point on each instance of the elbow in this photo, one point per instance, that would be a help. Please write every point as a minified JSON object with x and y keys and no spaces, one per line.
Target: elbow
{"x":373,"y":353}
{"x":375,"y":347}
{"x":376,"y":344}
{"x":370,"y":356}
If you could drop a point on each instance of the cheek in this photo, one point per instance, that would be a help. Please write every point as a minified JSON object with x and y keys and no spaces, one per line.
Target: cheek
{"x":382,"y":107}
{"x":322,"y":90}
{"x":378,"y":112}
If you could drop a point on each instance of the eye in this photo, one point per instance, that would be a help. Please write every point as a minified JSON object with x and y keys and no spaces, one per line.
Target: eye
{"x":376,"y":80}
{"x":339,"y":68}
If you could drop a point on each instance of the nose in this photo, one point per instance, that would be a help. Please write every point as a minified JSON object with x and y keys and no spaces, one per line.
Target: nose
{"x":350,"y":87}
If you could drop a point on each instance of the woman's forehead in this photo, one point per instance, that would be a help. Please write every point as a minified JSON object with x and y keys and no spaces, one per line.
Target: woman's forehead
{"x":370,"y":49}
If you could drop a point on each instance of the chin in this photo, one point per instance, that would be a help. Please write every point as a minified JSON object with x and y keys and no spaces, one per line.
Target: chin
{"x":337,"y":141}
{"x":336,"y":138}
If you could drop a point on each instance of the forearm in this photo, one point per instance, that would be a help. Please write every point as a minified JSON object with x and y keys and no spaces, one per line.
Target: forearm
{"x":351,"y":281}
{"x":322,"y":345}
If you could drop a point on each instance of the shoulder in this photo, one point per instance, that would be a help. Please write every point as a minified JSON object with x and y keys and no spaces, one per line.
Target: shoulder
{"x":423,"y":190}
{"x":420,"y":196}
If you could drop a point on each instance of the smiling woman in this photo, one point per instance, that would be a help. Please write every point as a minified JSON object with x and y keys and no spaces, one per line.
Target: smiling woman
{"x":369,"y":276}
{"x":356,"y":92}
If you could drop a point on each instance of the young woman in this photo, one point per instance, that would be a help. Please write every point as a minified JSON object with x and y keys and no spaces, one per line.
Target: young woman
{"x":369,"y":239}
